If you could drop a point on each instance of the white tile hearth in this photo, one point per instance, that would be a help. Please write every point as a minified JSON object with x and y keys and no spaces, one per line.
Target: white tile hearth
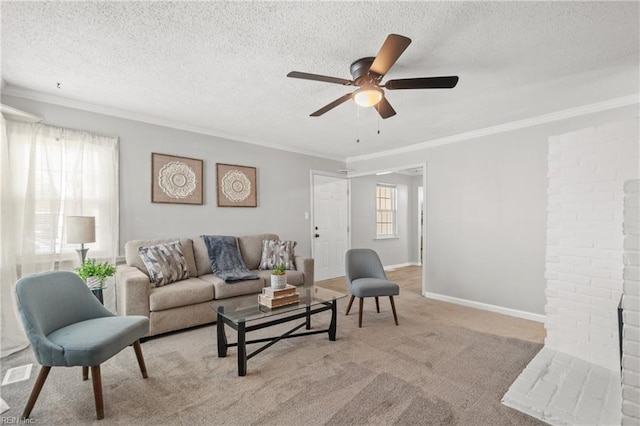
{"x":564,"y":390}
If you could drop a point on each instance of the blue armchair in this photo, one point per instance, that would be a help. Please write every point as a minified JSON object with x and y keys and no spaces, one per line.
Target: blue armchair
{"x":67,"y":326}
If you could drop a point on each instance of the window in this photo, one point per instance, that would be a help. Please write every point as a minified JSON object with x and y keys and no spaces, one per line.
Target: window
{"x":55,"y":173}
{"x":386,"y":211}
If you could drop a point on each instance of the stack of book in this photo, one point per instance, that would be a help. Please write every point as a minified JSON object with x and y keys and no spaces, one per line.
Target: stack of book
{"x":272,"y":298}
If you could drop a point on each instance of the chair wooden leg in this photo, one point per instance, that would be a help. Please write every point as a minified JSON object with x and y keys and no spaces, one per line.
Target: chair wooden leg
{"x":377,"y":305}
{"x":96,"y":378}
{"x":85,"y":373}
{"x":393,"y":308}
{"x":360,"y":313}
{"x":350,"y":303}
{"x":35,"y":392}
{"x":138,"y":350}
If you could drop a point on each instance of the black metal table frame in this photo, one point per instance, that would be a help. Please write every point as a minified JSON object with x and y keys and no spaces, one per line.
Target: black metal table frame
{"x":242,"y":329}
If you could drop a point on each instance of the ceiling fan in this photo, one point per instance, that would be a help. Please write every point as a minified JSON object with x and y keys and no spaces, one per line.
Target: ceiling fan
{"x":367,"y":75}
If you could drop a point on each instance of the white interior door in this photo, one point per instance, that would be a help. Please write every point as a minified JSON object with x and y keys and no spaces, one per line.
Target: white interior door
{"x":330,"y":225}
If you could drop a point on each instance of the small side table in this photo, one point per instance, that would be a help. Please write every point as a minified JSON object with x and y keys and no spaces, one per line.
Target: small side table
{"x":97,"y":292}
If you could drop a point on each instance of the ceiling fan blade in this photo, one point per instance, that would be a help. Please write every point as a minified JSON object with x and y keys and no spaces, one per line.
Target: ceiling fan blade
{"x":389,"y":53}
{"x":332,"y":105}
{"x":423,"y":83}
{"x":317,"y":77}
{"x":385,"y":109}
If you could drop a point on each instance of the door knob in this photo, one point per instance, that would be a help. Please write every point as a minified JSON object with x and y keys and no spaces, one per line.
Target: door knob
{"x":317,"y":235}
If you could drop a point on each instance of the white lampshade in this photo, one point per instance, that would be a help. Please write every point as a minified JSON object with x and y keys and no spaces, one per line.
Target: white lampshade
{"x":368,"y":96}
{"x":81,"y":229}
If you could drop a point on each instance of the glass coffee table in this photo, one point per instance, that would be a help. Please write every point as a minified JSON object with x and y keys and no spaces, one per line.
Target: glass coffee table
{"x":243,"y":314}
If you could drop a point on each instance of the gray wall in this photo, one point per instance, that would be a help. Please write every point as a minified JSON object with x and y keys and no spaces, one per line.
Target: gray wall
{"x":486,"y":209}
{"x":363,"y":218}
{"x":282,"y":179}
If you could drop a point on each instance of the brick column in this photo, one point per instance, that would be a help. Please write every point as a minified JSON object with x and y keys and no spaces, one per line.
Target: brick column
{"x":631,"y":306}
{"x":584,"y":266}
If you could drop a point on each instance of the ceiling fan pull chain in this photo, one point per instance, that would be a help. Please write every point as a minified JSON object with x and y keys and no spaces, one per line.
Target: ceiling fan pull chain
{"x":357,"y":124}
{"x":378,"y":108}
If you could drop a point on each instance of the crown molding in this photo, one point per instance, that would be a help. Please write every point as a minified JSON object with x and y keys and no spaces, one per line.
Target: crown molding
{"x":16,"y":114}
{"x":506,"y":127}
{"x":32,"y":95}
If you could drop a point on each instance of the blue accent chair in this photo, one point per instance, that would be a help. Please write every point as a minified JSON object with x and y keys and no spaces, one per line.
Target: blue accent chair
{"x":366,"y":278}
{"x":67,"y":326}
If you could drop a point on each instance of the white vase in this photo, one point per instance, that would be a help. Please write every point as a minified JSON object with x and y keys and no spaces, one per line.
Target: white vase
{"x":278,"y":282}
{"x":94,"y":282}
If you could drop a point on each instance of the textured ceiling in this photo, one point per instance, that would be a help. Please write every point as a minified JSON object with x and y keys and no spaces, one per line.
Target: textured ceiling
{"x":222,"y":66}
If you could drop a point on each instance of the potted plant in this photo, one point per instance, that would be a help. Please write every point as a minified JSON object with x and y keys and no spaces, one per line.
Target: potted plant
{"x":278,"y":279}
{"x":95,"y":274}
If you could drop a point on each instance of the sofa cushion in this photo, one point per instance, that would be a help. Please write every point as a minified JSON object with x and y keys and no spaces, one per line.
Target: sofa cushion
{"x":182,"y":293}
{"x":132,"y":257}
{"x":223,"y":290}
{"x":276,"y":252}
{"x":165,"y":263}
{"x":251,"y":248}
{"x":293,"y":277}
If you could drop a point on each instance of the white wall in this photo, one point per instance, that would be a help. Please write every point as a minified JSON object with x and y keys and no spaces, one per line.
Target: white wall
{"x":486,"y":212}
{"x":282,"y":179}
{"x":394,"y":251}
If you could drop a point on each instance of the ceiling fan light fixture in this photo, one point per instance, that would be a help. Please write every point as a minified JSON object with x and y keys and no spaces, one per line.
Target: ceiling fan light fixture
{"x":368,"y":96}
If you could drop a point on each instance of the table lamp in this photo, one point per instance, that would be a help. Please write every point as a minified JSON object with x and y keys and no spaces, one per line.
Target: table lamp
{"x":81,"y":230}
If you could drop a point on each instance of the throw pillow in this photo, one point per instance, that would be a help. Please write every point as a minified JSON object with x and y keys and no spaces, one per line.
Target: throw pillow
{"x":276,"y":252}
{"x":165,"y":262}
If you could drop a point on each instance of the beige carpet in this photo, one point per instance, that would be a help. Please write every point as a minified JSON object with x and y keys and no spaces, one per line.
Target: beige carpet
{"x":429,"y":370}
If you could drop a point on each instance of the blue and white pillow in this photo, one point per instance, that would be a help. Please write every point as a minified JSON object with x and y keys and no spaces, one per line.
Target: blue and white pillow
{"x":165,"y":263}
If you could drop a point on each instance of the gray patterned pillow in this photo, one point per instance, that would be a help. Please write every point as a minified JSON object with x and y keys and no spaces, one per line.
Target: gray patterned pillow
{"x":276,"y":252}
{"x":165,"y":262}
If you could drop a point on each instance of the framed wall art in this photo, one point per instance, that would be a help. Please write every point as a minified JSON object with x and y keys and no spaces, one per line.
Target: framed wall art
{"x":236,"y":186}
{"x":176,"y":180}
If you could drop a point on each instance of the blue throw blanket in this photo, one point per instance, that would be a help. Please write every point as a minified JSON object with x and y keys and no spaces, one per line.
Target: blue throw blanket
{"x":225,"y":259}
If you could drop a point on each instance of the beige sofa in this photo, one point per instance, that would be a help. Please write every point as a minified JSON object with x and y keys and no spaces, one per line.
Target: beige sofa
{"x":187,"y":303}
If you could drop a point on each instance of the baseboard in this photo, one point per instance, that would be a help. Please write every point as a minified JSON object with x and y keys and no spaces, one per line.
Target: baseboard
{"x":401,"y":265}
{"x":486,"y":307}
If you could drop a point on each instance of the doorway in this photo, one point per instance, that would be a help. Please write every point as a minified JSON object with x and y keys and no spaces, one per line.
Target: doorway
{"x":330,"y":224}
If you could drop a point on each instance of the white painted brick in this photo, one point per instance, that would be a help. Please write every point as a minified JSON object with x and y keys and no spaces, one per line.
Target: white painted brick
{"x":631,"y":258}
{"x":632,"y":273}
{"x":630,"y":364}
{"x":575,"y":297}
{"x":631,"y":318}
{"x":627,"y":173}
{"x":632,"y":349}
{"x":632,"y":199}
{"x":577,"y":242}
{"x":593,"y":216}
{"x":611,"y":264}
{"x":631,"y":333}
{"x":631,"y":303}
{"x":609,"y":284}
{"x":596,"y":293}
{"x":600,"y":312}
{"x":562,"y":285}
{"x":577,"y":225}
{"x":631,"y":378}
{"x":632,"y":290}
{"x":631,"y":244}
{"x":632,"y":186}
{"x":558,"y":267}
{"x":577,"y":188}
{"x":572,"y":260}
{"x":615,"y":243}
{"x":592,"y":253}
{"x":607,"y":187}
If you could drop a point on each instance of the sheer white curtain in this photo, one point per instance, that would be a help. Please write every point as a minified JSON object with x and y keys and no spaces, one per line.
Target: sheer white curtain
{"x":53,"y":173}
